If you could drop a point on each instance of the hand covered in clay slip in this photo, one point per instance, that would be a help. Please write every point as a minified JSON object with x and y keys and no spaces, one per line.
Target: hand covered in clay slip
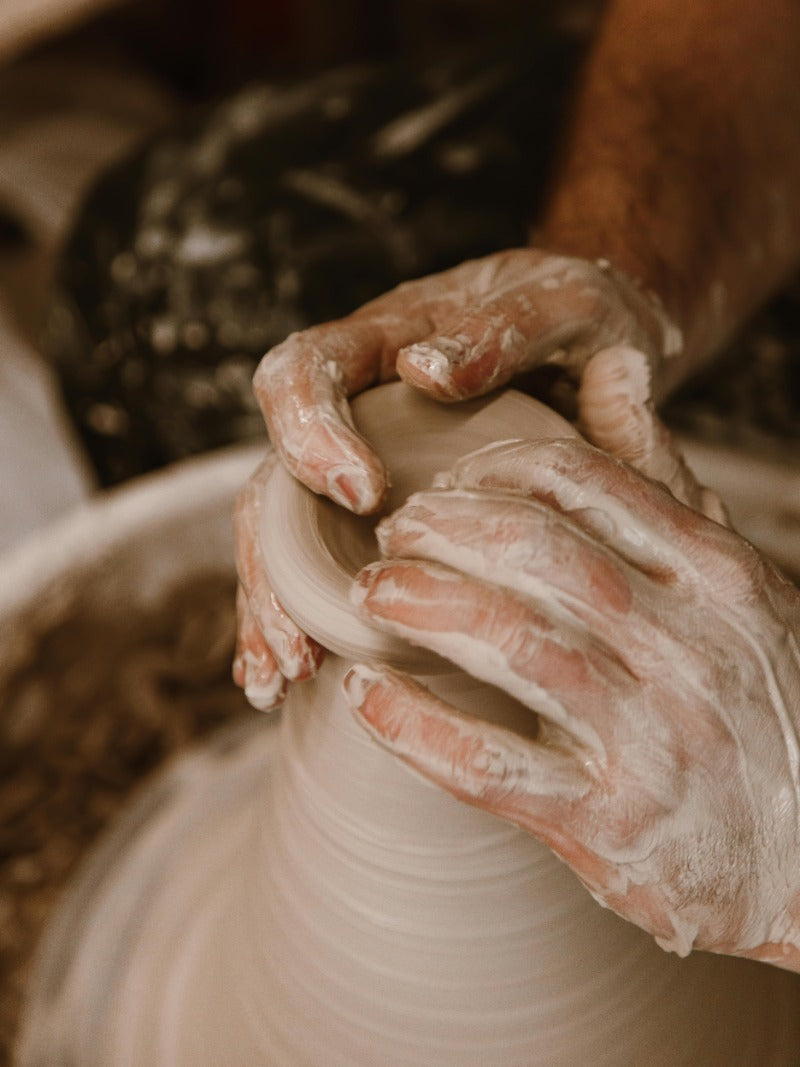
{"x":454,"y":335}
{"x":460,"y":334}
{"x":656,"y":651}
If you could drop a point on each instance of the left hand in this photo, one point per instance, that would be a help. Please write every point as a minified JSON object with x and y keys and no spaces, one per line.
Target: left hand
{"x":658,"y":653}
{"x":462,"y":333}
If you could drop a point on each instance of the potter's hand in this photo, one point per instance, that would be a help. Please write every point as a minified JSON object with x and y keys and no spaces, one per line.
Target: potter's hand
{"x":462,"y":333}
{"x":270,"y":649}
{"x":455,"y":334}
{"x":658,"y":653}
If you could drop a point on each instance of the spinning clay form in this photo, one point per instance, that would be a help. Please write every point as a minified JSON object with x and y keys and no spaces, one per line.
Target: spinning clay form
{"x":311,"y":901}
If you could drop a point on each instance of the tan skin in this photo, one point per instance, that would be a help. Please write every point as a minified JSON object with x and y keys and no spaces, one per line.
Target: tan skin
{"x":678,"y":172}
{"x":682,"y":160}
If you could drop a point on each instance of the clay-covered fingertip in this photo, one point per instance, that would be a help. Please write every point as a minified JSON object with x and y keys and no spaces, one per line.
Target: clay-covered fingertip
{"x":264,"y":701}
{"x":429,"y":367}
{"x":357,"y":683}
{"x":432,"y":359}
{"x":357,"y":489}
{"x":297,"y":654}
{"x":362,"y":584}
{"x":264,"y":693}
{"x":385,"y":529}
{"x":303,"y":663}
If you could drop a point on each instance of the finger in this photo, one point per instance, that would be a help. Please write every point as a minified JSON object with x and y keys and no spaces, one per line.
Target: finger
{"x":527,"y":308}
{"x":617,"y":414}
{"x":303,"y":384}
{"x":255,"y":668}
{"x":298,"y":656}
{"x":536,"y":654}
{"x":484,"y":348}
{"x":482,"y":764}
{"x":302,"y":387}
{"x":635,"y":516}
{"x":519,"y":544}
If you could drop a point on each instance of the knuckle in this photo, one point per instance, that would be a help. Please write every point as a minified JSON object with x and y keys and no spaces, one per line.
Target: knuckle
{"x":492,"y":775}
{"x":739,"y":567}
{"x":266,"y":371}
{"x":564,"y":454}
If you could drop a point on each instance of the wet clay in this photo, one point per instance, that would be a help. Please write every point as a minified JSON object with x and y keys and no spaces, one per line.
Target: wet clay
{"x":321,"y":904}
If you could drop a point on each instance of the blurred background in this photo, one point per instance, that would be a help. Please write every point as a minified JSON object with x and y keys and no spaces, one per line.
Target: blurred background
{"x":113,"y":362}
{"x":182,"y":185}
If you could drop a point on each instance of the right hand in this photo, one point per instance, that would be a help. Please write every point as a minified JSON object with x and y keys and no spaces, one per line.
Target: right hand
{"x":658,"y":655}
{"x":453,"y":335}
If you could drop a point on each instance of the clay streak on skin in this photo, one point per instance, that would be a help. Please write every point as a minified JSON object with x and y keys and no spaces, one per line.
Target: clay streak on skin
{"x":489,"y":663}
{"x":511,"y":562}
{"x":633,"y":318}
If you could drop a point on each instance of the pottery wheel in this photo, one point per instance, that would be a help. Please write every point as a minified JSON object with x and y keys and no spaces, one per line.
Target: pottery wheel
{"x":134,"y":941}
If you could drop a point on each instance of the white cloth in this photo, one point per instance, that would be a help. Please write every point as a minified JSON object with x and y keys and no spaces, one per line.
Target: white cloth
{"x":42,"y":470}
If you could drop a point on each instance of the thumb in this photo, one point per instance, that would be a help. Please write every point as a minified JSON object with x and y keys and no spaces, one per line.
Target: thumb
{"x":617,"y":414}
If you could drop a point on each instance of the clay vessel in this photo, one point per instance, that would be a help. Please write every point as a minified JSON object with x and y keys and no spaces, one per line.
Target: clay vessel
{"x":301,"y":898}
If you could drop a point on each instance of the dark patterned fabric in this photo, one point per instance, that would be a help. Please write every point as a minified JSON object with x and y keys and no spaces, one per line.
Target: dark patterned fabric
{"x":281,"y":207}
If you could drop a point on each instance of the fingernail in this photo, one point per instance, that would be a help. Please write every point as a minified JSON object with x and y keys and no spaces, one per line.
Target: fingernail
{"x":438,"y":352}
{"x":263,"y":692}
{"x":363,"y":584}
{"x":357,"y":683}
{"x":354,"y":489}
{"x":431,"y":363}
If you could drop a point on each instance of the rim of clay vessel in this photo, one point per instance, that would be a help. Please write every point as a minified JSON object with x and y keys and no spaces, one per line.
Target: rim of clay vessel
{"x":763,"y":495}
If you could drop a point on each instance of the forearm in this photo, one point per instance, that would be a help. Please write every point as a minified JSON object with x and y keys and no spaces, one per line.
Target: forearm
{"x":682,"y":161}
